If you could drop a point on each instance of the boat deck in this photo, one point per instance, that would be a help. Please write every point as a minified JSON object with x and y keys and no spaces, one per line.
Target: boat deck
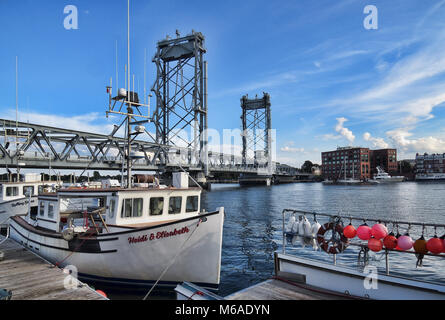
{"x":30,"y":277}
{"x":282,"y":289}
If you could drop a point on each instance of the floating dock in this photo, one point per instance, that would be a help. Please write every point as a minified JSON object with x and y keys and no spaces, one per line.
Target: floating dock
{"x":283,"y":289}
{"x":29,"y":277}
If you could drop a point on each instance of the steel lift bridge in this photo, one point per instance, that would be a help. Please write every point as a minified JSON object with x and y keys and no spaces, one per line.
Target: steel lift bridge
{"x":157,"y":141}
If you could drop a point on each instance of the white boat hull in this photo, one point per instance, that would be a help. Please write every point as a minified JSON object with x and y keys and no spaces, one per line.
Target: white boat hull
{"x":140,"y":256}
{"x":345,"y":280}
{"x":16,"y":207}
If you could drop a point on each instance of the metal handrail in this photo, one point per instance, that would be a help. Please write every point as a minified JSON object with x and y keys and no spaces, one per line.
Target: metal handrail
{"x":365,"y":219}
{"x":362,"y":245}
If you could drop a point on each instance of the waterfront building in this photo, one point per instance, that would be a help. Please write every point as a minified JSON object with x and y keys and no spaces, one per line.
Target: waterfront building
{"x":362,"y":160}
{"x":355,"y":160}
{"x":430,"y":163}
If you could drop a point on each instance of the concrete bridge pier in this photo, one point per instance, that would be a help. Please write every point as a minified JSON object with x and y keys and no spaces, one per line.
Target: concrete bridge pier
{"x":254,"y":179}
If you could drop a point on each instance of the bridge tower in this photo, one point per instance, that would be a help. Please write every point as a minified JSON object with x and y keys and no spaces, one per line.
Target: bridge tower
{"x":180,"y":88}
{"x":256,"y":123}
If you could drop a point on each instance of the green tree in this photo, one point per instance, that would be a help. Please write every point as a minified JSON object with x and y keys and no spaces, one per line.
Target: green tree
{"x":307,"y":166}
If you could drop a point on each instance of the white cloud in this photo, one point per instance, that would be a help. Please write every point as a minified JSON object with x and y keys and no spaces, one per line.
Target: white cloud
{"x":90,"y":122}
{"x":291,"y":149}
{"x":376,"y":142}
{"x":345,"y":132}
{"x":401,"y":138}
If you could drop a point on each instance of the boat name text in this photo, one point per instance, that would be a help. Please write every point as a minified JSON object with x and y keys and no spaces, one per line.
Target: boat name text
{"x":158,"y":235}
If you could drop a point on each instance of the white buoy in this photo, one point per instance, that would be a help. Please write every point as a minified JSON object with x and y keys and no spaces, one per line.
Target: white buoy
{"x":306,"y":228}
{"x":290,"y":224}
{"x":315,"y":227}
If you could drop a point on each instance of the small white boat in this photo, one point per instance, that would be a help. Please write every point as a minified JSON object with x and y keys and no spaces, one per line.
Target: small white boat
{"x":19,"y":197}
{"x":133,"y":237}
{"x":383,"y":177}
{"x":355,"y":280}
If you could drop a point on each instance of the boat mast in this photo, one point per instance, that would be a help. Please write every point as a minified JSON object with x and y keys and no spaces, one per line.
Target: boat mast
{"x":17,"y":114}
{"x":129,"y":109}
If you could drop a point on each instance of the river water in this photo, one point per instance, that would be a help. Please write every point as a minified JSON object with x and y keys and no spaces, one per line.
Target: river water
{"x":253,"y":225}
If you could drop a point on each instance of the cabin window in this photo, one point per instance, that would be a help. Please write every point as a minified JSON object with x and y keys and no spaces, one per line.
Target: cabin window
{"x":192,"y":204}
{"x":111,"y":208}
{"x":28,"y":190}
{"x":137,"y":207}
{"x":174,"y":205}
{"x":132,"y":208}
{"x":156,"y":206}
{"x":12,"y":191}
{"x":42,"y":208}
{"x":50,"y":210}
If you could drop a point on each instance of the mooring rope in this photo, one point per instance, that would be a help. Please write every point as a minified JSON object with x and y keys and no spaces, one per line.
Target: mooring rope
{"x":173,"y":260}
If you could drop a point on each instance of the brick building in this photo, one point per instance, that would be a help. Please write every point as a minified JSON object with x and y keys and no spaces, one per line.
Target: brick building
{"x":386,"y":159}
{"x":362,"y":160}
{"x":356,"y":160}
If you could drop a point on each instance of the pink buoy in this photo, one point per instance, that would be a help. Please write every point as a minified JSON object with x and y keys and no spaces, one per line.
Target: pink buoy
{"x":405,"y":242}
{"x":379,"y":231}
{"x":364,"y":232}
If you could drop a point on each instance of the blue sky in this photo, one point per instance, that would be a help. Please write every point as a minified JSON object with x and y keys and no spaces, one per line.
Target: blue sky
{"x":332,"y":82}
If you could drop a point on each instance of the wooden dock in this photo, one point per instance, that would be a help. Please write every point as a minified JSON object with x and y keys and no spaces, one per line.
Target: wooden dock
{"x":30,"y":277}
{"x":282,"y":289}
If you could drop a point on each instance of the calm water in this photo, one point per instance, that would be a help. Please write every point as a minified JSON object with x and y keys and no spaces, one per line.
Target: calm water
{"x":253,"y":224}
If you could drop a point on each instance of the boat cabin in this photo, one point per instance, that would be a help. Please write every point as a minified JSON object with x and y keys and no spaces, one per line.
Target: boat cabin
{"x":28,"y":184}
{"x":110,"y":208}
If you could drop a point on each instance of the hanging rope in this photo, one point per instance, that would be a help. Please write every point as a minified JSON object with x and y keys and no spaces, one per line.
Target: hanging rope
{"x":174,"y":258}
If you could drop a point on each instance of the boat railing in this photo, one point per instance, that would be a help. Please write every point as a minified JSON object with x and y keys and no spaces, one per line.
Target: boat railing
{"x":363,"y":246}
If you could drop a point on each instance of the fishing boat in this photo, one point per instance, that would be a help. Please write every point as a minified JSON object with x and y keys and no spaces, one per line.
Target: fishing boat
{"x":382,"y":177}
{"x":359,"y":280}
{"x":134,"y":237}
{"x":20,"y":196}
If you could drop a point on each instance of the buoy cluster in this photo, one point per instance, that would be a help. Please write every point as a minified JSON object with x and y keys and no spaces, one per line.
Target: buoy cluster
{"x":379,"y":238}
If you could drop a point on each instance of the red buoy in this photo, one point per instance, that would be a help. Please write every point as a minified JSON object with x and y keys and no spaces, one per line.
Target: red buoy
{"x":364,"y":232}
{"x":390,"y":241}
{"x":349,"y":231}
{"x":379,"y":231}
{"x":435,"y":245}
{"x":375,"y":244}
{"x":102,"y":293}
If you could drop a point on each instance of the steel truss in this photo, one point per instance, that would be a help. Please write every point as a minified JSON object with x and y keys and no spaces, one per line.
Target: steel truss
{"x":181,"y":95}
{"x":256,"y":125}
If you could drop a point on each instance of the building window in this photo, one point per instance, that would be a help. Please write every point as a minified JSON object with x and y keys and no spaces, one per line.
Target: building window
{"x":156,"y":206}
{"x":27,"y":189}
{"x":174,"y":205}
{"x":192,"y":204}
{"x":12,"y":191}
{"x":132,"y":208}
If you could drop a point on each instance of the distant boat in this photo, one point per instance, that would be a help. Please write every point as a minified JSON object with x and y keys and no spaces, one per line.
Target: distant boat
{"x":383,"y":177}
{"x":430,"y":177}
